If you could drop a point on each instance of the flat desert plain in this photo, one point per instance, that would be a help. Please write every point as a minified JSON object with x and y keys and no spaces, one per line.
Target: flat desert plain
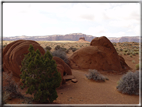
{"x":87,"y":91}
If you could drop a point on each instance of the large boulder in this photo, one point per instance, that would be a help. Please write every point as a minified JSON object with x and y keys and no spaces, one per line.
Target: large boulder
{"x":100,"y":55}
{"x":13,"y":54}
{"x":62,"y":66}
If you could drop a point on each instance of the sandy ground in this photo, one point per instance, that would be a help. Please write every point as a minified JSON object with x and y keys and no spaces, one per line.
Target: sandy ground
{"x":90,"y":92}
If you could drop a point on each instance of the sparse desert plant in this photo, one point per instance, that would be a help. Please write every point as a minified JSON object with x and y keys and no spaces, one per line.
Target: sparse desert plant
{"x":48,"y":48}
{"x":121,"y":49}
{"x":57,"y":47}
{"x":137,"y":66}
{"x":95,"y":75}
{"x":128,"y":53}
{"x":133,"y":61}
{"x":129,"y":83}
{"x":131,"y":55}
{"x":114,"y":44}
{"x":125,"y":50}
{"x":4,"y":45}
{"x":124,"y":53}
{"x":73,"y":49}
{"x":67,"y":51}
{"x":64,"y":49}
{"x":40,"y":76}
{"x":10,"y":91}
{"x":61,"y":54}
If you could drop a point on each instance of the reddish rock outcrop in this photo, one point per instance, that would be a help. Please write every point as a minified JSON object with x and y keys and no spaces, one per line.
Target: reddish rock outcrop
{"x":62,"y":66}
{"x":13,"y":54}
{"x":100,"y":55}
{"x":82,"y":39}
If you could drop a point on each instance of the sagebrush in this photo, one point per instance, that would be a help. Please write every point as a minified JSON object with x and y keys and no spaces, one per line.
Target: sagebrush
{"x":48,"y":48}
{"x":10,"y":91}
{"x":61,"y":54}
{"x":129,"y":83}
{"x":95,"y":75}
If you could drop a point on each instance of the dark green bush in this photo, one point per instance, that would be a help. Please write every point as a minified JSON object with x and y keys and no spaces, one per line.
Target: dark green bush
{"x":57,"y":47}
{"x":137,"y":67}
{"x":48,"y":48}
{"x":129,"y":83}
{"x":131,"y":55}
{"x":124,"y":53}
{"x":61,"y":54}
{"x":73,"y":49}
{"x":40,"y":75}
{"x":95,"y":75}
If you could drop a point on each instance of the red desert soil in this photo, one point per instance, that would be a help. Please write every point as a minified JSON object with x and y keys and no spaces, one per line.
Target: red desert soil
{"x":90,"y":92}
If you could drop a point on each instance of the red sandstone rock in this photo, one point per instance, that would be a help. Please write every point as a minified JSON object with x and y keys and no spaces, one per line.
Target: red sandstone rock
{"x":101,"y":55}
{"x":67,"y":69}
{"x":74,"y":80}
{"x":67,"y":77}
{"x":82,"y":39}
{"x":14,"y":53}
{"x":62,"y":67}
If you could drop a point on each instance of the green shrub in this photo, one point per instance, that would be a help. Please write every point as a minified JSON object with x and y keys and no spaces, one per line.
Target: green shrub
{"x":4,"y":45}
{"x":63,"y":49}
{"x":73,"y":49}
{"x":124,"y":53}
{"x":129,"y":83}
{"x":121,"y":49}
{"x":40,"y":75}
{"x":133,"y":53}
{"x":130,"y":55}
{"x":95,"y":75}
{"x":48,"y":48}
{"x":125,"y":50}
{"x":61,"y":54}
{"x":137,"y":66}
{"x":133,"y":61}
{"x":57,"y":47}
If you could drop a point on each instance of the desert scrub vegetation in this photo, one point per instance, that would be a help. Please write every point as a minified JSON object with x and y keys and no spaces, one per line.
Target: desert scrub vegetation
{"x":61,"y":54}
{"x":137,"y":66}
{"x":73,"y":49}
{"x":133,"y":61}
{"x":96,"y":76}
{"x":48,"y":48}
{"x":57,"y":47}
{"x":129,"y":83}
{"x":10,"y":91}
{"x":39,"y":74}
{"x":114,"y":44}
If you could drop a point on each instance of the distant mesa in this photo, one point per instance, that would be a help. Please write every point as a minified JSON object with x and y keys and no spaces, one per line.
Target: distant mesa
{"x":82,"y":39}
{"x":71,"y":37}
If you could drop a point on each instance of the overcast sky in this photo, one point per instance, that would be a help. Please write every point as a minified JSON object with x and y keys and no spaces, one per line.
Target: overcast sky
{"x":96,"y":19}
